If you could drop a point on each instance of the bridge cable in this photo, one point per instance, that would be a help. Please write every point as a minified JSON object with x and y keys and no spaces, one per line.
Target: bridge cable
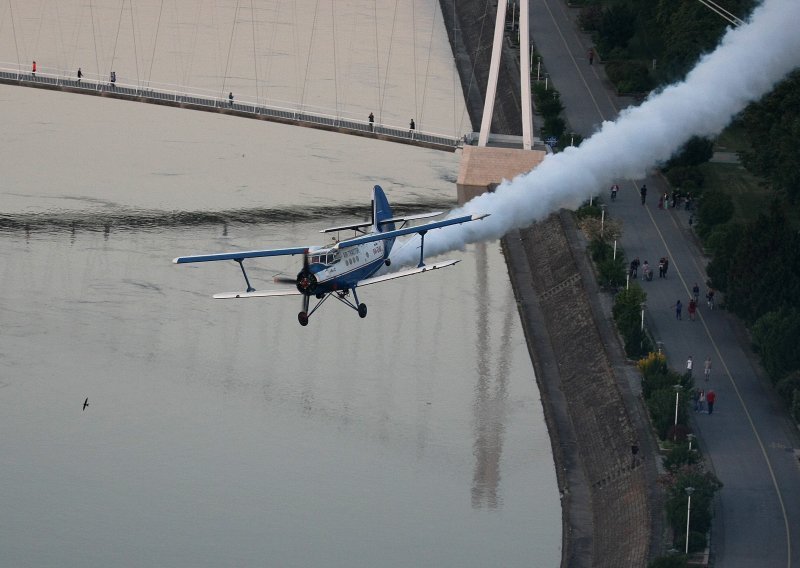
{"x":94,"y":38}
{"x":477,"y":49}
{"x":63,"y":53}
{"x":39,"y":31}
{"x":14,"y":29}
{"x":377,"y":62}
{"x":417,"y":114}
{"x":389,"y":55}
{"x":427,"y":67}
{"x":255,"y":57}
{"x":155,"y":43}
{"x":194,"y":41}
{"x":230,"y":45}
{"x":308,"y":57}
{"x":116,"y":39}
{"x":335,"y":68}
{"x":135,"y":52}
{"x":271,"y":50}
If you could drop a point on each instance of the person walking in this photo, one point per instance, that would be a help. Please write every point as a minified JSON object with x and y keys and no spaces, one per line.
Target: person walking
{"x":591,"y":55}
{"x":696,"y":293}
{"x":678,"y":308}
{"x":666,"y":265}
{"x":696,"y":399}
{"x":372,"y":122}
{"x":692,"y":309}
{"x":643,"y":192}
{"x":707,"y":368}
{"x":689,"y":364}
{"x":80,"y":74}
{"x":33,"y":69}
{"x":661,"y":267}
{"x":412,"y":125}
{"x":230,"y":99}
{"x":646,"y":274}
{"x":710,"y":298}
{"x":711,"y":398}
{"x":614,"y":190}
{"x":635,"y":267}
{"x":701,"y":400}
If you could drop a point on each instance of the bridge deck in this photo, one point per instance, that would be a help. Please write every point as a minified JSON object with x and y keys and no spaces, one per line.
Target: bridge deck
{"x":238,"y":108}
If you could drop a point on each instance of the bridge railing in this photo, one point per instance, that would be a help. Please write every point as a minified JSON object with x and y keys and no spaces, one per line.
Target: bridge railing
{"x":178,"y":95}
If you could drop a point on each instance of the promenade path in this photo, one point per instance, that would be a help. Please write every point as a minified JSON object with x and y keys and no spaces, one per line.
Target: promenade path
{"x":749,"y":441}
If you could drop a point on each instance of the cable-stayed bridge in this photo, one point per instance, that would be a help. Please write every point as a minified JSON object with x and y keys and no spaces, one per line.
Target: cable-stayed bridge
{"x":323,"y":64}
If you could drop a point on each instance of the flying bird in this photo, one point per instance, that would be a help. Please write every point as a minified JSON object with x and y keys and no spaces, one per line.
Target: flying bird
{"x":86,"y":403}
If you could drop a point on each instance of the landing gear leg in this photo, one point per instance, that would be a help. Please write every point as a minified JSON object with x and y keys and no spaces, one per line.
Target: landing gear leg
{"x":302,"y":317}
{"x":362,"y":308}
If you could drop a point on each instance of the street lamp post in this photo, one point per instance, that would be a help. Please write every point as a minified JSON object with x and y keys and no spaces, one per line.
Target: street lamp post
{"x":689,"y":491}
{"x":602,"y":219}
{"x":643,"y":306}
{"x":677,"y":398}
{"x":690,"y":437}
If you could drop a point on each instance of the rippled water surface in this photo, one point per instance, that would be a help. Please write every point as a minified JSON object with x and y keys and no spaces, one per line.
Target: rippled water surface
{"x":221,"y":433}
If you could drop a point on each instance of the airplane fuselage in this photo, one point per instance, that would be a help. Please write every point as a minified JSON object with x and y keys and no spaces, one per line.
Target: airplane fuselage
{"x":341,"y":269}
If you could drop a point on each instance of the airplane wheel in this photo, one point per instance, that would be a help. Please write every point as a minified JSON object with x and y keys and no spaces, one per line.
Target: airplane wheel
{"x":302,"y":317}
{"x":362,"y":310}
{"x":387,"y":262}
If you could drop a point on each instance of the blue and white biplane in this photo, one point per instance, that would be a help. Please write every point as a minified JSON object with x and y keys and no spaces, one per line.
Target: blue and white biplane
{"x":339,"y":269}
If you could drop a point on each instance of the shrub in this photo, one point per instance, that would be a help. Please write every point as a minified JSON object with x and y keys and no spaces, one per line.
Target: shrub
{"x":553,"y":126}
{"x":696,"y":151}
{"x":715,"y":209}
{"x":680,"y":456}
{"x":590,"y":18}
{"x":629,"y":76}
{"x":685,"y":177}
{"x":775,"y":339}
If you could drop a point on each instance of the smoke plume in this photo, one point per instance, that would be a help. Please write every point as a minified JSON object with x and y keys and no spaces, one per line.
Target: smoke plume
{"x":748,"y":62}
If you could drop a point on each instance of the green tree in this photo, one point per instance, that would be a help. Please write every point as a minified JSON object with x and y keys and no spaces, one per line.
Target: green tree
{"x":695,"y":152}
{"x":775,"y":339}
{"x":705,"y":485}
{"x":772,"y":127}
{"x":715,"y":209}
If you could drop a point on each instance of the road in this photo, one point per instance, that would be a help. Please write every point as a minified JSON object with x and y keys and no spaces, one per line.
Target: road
{"x":749,"y":441}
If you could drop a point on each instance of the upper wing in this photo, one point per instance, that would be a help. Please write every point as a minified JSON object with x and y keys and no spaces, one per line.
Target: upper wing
{"x":409,"y":230}
{"x":364,"y":225}
{"x":257,"y":294}
{"x":409,"y":272}
{"x":241,"y":255}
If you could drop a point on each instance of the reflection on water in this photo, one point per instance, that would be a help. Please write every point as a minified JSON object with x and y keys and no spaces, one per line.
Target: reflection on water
{"x":127,"y":220}
{"x":221,"y":432}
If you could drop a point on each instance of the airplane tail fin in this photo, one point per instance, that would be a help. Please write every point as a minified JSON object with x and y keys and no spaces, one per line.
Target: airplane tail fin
{"x":381,"y":211}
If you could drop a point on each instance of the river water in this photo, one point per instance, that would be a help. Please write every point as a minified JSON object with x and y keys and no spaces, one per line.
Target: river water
{"x":221,"y":433}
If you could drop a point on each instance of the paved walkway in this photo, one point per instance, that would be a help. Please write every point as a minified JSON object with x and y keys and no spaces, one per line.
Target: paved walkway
{"x":749,"y":440}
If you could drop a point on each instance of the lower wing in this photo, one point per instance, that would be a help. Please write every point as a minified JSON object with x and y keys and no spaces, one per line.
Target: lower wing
{"x":409,"y":272}
{"x":256,"y":294}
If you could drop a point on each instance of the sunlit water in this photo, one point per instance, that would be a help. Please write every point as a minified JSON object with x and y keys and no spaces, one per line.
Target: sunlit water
{"x":221,"y":433}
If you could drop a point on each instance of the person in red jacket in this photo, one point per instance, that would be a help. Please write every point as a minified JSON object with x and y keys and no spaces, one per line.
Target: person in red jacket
{"x":33,"y":69}
{"x":710,"y":398}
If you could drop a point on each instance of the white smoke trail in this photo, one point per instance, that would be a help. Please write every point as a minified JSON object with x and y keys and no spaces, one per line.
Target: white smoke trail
{"x":749,"y":61}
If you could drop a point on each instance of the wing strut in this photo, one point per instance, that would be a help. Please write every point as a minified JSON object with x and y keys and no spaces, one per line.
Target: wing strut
{"x":422,"y":249}
{"x":249,"y":288}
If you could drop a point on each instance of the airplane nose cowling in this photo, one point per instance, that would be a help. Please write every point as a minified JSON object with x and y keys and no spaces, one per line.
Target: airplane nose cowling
{"x":306,"y":282}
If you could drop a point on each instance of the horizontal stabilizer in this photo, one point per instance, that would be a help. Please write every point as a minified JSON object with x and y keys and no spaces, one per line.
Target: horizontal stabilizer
{"x":409,"y":230}
{"x":242,"y":255}
{"x":256,"y":294}
{"x":411,"y":217}
{"x":409,"y":272}
{"x":354,"y":227}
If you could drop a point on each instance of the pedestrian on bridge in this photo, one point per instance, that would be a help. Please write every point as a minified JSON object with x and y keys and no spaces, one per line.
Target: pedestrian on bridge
{"x":230,"y":99}
{"x":33,"y":69}
{"x":412,"y":126}
{"x":80,"y":74}
{"x":372,"y":122}
{"x":711,"y":398}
